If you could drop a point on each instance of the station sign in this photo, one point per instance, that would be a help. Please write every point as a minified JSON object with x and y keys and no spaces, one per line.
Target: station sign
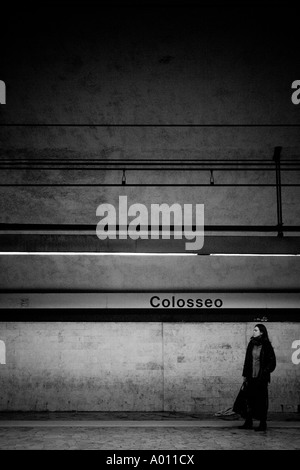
{"x":153,"y":300}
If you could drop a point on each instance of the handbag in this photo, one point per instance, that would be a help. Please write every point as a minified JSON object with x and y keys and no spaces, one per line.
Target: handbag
{"x":240,"y":405}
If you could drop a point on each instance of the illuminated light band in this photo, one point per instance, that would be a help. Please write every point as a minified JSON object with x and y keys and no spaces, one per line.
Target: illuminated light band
{"x":87,"y":253}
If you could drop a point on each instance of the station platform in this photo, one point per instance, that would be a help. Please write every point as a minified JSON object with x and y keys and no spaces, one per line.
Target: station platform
{"x":143,"y":431}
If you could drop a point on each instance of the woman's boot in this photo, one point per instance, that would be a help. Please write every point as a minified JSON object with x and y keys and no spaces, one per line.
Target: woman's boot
{"x":248,"y":424}
{"x":262,"y":426}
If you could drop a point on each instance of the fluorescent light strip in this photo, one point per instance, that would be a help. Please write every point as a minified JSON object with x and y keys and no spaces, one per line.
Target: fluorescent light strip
{"x":45,"y":253}
{"x":56,"y":253}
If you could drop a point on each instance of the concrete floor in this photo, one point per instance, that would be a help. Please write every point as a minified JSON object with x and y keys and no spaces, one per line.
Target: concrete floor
{"x":143,"y":431}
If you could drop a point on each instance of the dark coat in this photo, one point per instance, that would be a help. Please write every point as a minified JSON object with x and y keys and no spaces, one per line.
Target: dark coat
{"x":267,"y":361}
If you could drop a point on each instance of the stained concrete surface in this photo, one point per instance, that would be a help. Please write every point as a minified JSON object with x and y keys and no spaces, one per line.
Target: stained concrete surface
{"x":124,"y":273}
{"x":144,"y":366}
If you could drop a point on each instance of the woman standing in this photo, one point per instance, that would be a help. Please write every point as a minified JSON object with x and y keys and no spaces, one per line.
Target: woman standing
{"x":260,"y":361}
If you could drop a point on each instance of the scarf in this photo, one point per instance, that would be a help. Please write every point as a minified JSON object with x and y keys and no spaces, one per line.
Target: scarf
{"x":257,"y":341}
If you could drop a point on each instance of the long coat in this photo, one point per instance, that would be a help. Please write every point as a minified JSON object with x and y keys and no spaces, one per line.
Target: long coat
{"x":267,"y":361}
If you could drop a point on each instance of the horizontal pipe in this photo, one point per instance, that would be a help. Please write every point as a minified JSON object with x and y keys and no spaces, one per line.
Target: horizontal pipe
{"x":120,"y":163}
{"x":133,"y":161}
{"x":32,"y":168}
{"x":92,"y":227}
{"x":141,"y":185}
{"x":19,"y":124}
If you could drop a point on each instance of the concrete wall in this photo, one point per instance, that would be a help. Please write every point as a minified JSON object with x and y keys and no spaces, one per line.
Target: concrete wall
{"x":150,"y":66}
{"x":146,"y":273}
{"x":137,"y":366}
{"x":159,"y":65}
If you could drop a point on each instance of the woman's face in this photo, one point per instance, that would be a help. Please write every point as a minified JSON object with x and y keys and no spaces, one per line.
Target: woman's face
{"x":256,"y":332}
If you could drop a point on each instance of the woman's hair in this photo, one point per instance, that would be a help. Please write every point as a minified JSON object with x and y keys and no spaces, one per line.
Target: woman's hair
{"x":264,"y":332}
